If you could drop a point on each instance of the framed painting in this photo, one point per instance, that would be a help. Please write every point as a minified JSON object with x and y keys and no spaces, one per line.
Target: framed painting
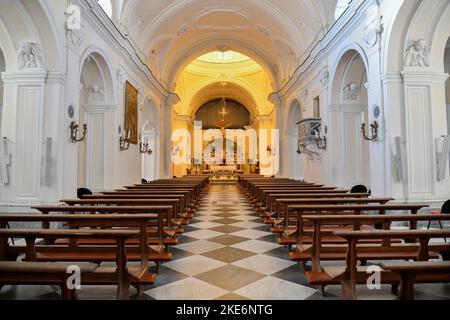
{"x":131,"y":113}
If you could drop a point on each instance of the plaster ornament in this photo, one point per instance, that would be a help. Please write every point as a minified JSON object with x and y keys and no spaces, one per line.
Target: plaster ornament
{"x":121,"y":76}
{"x":29,"y":56}
{"x":351,"y":92}
{"x":264,"y":31}
{"x":305,"y":95}
{"x":325,"y":78}
{"x":417,"y":55}
{"x":182,"y":30}
{"x":374,"y":28}
{"x":96,"y":94}
{"x":76,"y":36}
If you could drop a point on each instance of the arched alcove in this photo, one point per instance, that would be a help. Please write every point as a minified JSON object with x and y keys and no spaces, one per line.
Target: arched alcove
{"x":96,"y":99}
{"x":150,"y":134}
{"x":350,"y":110}
{"x":295,"y":161}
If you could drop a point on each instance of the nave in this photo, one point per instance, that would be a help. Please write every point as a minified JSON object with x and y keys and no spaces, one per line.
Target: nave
{"x":227,"y":251}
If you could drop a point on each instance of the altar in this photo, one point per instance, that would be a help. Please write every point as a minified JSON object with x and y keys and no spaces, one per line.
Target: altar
{"x":223,"y":168}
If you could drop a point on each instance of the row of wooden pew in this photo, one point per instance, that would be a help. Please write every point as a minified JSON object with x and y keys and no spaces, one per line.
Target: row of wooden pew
{"x":131,"y":227}
{"x":327,"y":224}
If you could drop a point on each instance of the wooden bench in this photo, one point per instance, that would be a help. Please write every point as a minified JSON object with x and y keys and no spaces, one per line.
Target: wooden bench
{"x":408,"y":272}
{"x":30,"y":236}
{"x":42,"y":273}
{"x":175,"y":203}
{"x":349,"y":277}
{"x":162,"y":236}
{"x":271,"y":198}
{"x":285,"y":203}
{"x":356,"y":209}
{"x":262,"y":198}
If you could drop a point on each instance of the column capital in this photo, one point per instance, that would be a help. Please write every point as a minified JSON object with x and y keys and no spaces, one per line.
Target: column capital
{"x":172,"y":99}
{"x":276,"y":99}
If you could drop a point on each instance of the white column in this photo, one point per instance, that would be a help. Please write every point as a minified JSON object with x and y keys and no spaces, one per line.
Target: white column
{"x":425,"y":122}
{"x":166,"y":136}
{"x":280,"y":124}
{"x":23,"y":127}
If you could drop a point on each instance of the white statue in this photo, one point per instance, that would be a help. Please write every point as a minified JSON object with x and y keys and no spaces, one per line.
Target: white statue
{"x":29,"y":56}
{"x":96,"y":94}
{"x":350,"y":92}
{"x":417,"y":55}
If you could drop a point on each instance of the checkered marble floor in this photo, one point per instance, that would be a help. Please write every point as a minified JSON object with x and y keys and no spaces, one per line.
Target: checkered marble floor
{"x":227,"y":253}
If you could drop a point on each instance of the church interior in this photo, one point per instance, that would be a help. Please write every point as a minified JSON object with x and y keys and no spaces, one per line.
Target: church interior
{"x":224,"y":150}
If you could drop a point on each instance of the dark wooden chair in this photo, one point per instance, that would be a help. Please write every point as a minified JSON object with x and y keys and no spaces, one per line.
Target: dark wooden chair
{"x":444,"y":210}
{"x":81,"y":192}
{"x":359,"y":189}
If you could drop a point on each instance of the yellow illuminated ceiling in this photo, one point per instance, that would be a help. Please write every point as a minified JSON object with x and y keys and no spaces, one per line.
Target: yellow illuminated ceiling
{"x":226,"y":74}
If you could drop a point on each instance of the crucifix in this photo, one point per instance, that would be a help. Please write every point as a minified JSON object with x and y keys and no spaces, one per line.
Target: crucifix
{"x":5,"y":161}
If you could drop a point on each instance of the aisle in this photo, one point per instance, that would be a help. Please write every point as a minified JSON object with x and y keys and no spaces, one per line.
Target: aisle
{"x":227,"y":253}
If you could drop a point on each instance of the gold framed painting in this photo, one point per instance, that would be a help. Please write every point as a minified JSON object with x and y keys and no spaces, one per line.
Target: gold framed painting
{"x":131,"y":113}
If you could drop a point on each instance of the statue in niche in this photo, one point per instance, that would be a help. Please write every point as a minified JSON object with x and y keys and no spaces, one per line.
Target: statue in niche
{"x":96,"y":94}
{"x":29,"y":56}
{"x":350,"y":92}
{"x":417,"y":55}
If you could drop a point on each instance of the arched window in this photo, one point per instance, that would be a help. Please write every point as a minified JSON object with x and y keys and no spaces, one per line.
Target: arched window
{"x":341,"y":6}
{"x":106,"y":6}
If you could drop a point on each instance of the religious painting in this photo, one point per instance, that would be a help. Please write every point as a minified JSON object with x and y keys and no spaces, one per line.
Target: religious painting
{"x":131,"y":113}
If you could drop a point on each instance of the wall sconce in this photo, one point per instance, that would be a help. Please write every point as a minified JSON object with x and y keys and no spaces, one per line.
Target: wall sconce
{"x":374,"y":131}
{"x":321,"y":141}
{"x":144,"y":148}
{"x":74,"y":132}
{"x":124,"y":143}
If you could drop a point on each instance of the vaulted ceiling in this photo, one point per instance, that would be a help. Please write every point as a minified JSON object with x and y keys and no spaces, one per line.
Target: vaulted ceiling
{"x":277,"y":34}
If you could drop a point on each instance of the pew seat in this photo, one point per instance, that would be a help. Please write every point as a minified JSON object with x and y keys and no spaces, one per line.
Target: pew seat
{"x":419,"y":272}
{"x":41,"y":273}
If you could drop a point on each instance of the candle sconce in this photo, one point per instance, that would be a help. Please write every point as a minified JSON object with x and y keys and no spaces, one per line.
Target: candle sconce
{"x":124,"y":142}
{"x":74,"y":132}
{"x":144,"y":148}
{"x":374,"y":131}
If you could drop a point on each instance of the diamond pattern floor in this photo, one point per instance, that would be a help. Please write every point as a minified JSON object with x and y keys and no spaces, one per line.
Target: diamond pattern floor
{"x":227,"y":254}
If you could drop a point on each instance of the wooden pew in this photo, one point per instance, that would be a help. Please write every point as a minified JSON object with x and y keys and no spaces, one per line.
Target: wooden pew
{"x":356,"y":209}
{"x":30,"y":235}
{"x":257,"y":195}
{"x":272,"y":198}
{"x":94,"y":249}
{"x":188,"y":207}
{"x":349,"y":278}
{"x":261,"y":199}
{"x":41,"y":273}
{"x":286,"y":203}
{"x":408,"y":272}
{"x":162,"y":236}
{"x":175,"y":203}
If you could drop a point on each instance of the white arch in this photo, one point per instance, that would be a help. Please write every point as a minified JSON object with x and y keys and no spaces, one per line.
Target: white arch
{"x":197,"y":49}
{"x":105,"y":68}
{"x":344,"y":51}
